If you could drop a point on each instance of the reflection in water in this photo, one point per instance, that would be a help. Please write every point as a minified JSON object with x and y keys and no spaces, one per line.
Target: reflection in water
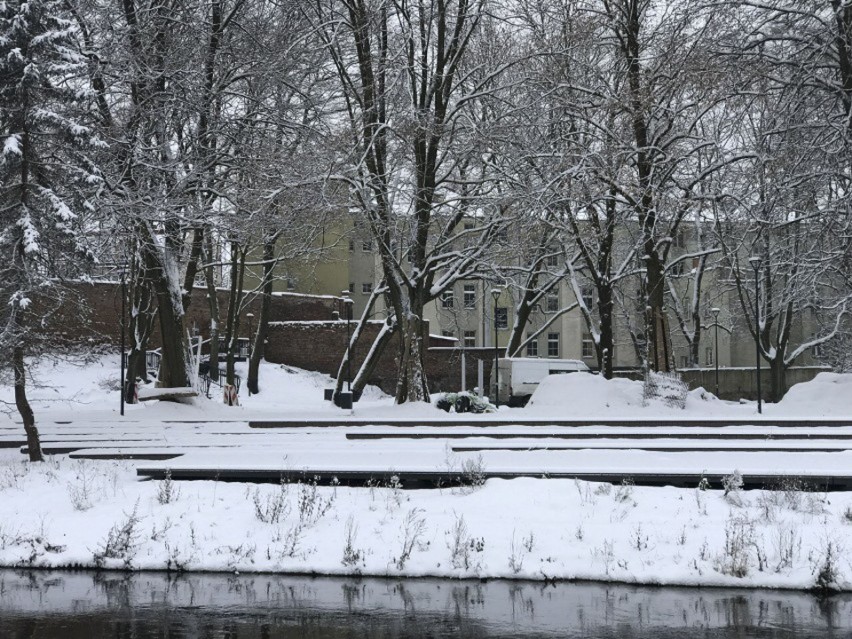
{"x":85,"y":605}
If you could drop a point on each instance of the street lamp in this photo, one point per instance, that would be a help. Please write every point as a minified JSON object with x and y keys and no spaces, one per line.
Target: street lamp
{"x":495,"y":293}
{"x":755,"y":264}
{"x":348,"y":303}
{"x":715,"y":312}
{"x":123,"y":383}
{"x":249,"y":317}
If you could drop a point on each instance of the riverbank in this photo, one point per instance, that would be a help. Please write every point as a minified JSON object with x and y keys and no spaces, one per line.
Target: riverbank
{"x":96,"y":514}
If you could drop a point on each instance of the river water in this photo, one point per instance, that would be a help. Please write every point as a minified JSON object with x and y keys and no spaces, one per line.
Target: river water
{"x":88,"y":605}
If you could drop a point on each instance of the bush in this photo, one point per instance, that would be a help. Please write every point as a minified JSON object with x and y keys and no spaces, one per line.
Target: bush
{"x":666,"y":387}
{"x":465,"y":402}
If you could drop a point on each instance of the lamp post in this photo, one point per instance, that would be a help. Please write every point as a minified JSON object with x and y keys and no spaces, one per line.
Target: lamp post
{"x":755,"y":264}
{"x":123,"y":383}
{"x":344,"y":400}
{"x":715,"y":312}
{"x":349,"y":304}
{"x":249,"y":317}
{"x":495,"y":293}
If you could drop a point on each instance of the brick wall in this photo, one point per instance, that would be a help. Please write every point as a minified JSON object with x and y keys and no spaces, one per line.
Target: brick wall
{"x":90,"y":312}
{"x":319,"y":346}
{"x":302,"y":333}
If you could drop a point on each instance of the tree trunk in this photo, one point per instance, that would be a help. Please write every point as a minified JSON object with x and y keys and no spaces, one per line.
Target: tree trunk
{"x":142,"y":317}
{"x":411,"y":386}
{"x":160,"y":263}
{"x":522,"y":316}
{"x":192,"y":265}
{"x":777,"y":379}
{"x":659,"y":351}
{"x":235,"y":298}
{"x":607,"y":340}
{"x":213,"y":303}
{"x":23,"y":405}
{"x":368,"y":366}
{"x":263,"y":320}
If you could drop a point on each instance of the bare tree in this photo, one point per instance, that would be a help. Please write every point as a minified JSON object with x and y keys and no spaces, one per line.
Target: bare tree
{"x":416,"y":98}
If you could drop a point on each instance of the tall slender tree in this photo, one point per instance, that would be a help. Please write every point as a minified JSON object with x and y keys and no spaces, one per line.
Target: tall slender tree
{"x":47,"y":173}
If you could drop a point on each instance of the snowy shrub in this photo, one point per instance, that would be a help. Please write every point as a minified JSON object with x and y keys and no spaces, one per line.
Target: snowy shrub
{"x":413,"y":528}
{"x":462,"y":546}
{"x":81,"y":489}
{"x":796,"y":494}
{"x":732,"y":484}
{"x":465,"y":402}
{"x":826,"y":569}
{"x":669,"y":388}
{"x":11,"y":474}
{"x":638,"y":539}
{"x":351,"y":555}
{"x":272,"y":508}
{"x":605,"y":554}
{"x":237,"y":555}
{"x":603,"y":489}
{"x":517,"y":553}
{"x":734,"y":559}
{"x":121,"y":541}
{"x":624,"y":491}
{"x":459,"y":544}
{"x":312,"y":505}
{"x":847,"y":515}
{"x":167,"y":491}
{"x":473,"y":472}
{"x":788,"y":544}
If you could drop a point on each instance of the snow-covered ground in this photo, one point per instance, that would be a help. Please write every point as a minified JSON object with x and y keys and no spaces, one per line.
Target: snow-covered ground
{"x":81,"y":512}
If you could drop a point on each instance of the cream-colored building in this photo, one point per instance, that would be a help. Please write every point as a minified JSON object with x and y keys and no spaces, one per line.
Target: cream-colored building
{"x":346,"y":259}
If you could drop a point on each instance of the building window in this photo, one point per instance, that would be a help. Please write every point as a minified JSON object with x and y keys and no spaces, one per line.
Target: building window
{"x":291,"y":285}
{"x":684,"y":361}
{"x":447,"y":333}
{"x":708,"y":356}
{"x":470,"y":295}
{"x":816,"y":349}
{"x":553,"y":258}
{"x":677,"y":268}
{"x":588,"y":295}
{"x":367,"y":246}
{"x":352,"y":288}
{"x":470,"y":339}
{"x":351,"y":245}
{"x":448,"y":299}
{"x":551,"y":303}
{"x":553,"y":344}
{"x":532,"y":347}
{"x":501,"y":317}
{"x":367,"y":288}
{"x":503,"y":235}
{"x":588,"y":348}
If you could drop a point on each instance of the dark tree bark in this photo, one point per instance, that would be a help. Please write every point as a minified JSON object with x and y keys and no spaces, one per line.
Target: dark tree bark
{"x":213,"y":305}
{"x":23,"y":406}
{"x":257,"y":350}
